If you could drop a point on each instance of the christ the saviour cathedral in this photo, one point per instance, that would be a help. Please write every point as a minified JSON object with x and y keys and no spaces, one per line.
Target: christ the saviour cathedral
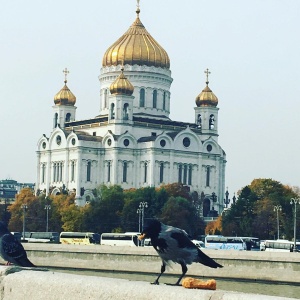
{"x":133,"y":142}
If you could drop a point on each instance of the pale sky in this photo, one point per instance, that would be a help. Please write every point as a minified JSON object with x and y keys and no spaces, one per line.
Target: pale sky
{"x":252,"y":49}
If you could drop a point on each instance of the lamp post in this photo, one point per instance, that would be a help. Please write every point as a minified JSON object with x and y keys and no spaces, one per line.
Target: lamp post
{"x":24,"y":206}
{"x":277,"y":208}
{"x":47,"y":207}
{"x":139,"y":212}
{"x":226,"y":200}
{"x":295,"y":201}
{"x":142,"y":206}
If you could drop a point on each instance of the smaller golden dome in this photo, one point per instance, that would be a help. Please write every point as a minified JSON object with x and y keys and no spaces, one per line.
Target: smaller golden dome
{"x":121,"y":86}
{"x":65,"y":96}
{"x":206,"y":97}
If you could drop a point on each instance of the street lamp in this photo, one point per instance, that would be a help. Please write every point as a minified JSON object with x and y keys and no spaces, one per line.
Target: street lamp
{"x":142,"y":206}
{"x":226,"y":200}
{"x":47,"y":207}
{"x":277,"y":208}
{"x":139,"y":211}
{"x":24,"y":206}
{"x":295,"y":201}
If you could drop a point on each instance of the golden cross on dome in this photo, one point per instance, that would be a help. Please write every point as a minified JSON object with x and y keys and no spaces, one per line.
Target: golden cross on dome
{"x":207,"y":73}
{"x":66,"y":72}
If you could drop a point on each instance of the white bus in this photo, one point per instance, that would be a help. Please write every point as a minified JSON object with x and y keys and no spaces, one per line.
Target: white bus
{"x":224,"y":242}
{"x":119,"y":239}
{"x":79,"y":238}
{"x":280,"y":246}
{"x":42,"y":237}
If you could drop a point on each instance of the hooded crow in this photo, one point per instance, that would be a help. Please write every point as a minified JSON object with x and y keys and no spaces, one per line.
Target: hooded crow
{"x":173,"y":244}
{"x":11,"y":249}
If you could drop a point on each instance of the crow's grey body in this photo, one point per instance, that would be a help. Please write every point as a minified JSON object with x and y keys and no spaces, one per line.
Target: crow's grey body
{"x":173,"y":245}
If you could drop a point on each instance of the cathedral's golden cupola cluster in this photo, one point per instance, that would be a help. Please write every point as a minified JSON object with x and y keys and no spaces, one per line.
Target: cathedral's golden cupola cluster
{"x":136,"y":47}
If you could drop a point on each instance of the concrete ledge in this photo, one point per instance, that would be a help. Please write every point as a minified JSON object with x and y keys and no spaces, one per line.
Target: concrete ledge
{"x":259,"y":266}
{"x":19,"y":284}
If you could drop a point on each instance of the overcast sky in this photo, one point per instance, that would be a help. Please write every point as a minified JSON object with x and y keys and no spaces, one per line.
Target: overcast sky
{"x":252,"y":49}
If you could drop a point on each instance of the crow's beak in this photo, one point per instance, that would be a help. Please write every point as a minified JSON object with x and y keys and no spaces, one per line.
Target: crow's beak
{"x":142,"y":236}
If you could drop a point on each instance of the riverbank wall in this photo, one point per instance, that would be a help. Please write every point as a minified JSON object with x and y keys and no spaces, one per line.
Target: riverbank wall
{"x":249,"y":265}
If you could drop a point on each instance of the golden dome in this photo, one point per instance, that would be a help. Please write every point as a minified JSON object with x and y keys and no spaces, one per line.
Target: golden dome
{"x":65,"y":96}
{"x":206,"y":97}
{"x":136,"y":47}
{"x":121,"y":86}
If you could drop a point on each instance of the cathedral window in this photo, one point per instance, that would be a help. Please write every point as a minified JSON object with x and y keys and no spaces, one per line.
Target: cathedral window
{"x":180,"y":173}
{"x":55,"y":120}
{"x":43,"y":173}
{"x":105,"y":98}
{"x":73,"y":171}
{"x":185,"y":174}
{"x":145,"y":172}
{"x":125,"y":165}
{"x":60,"y":171}
{"x":207,"y":176}
{"x":125,"y":111}
{"x":190,"y":175}
{"x":54,"y":172}
{"x":68,"y":117}
{"x":108,"y":171}
{"x":199,"y":121}
{"x":211,"y":122}
{"x":112,"y":111}
{"x":161,"y":173}
{"x":164,"y":101}
{"x":142,"y":98}
{"x":154,"y":98}
{"x":88,"y":171}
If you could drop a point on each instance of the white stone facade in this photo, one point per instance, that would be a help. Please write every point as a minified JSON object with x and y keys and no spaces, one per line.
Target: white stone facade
{"x":134,"y":147}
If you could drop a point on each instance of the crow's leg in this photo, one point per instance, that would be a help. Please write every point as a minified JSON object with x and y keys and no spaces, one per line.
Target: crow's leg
{"x":162,"y":270}
{"x":184,"y":270}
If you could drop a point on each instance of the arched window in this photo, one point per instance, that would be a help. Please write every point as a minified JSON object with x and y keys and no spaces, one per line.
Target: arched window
{"x":112,"y":111}
{"x":207,"y":175}
{"x":54,"y":172}
{"x":108,"y":171}
{"x":199,"y":121}
{"x":125,"y":111}
{"x":185,"y":174}
{"x":161,"y":173}
{"x":55,"y":120}
{"x":180,"y":173}
{"x":68,"y":117}
{"x":88,"y":171}
{"x":164,"y":101}
{"x":73,"y":171}
{"x":124,"y":171}
{"x":211,"y":122}
{"x":190,"y":175}
{"x":142,"y":98}
{"x":43,"y":172}
{"x":105,"y":98}
{"x":154,"y":98}
{"x":145,"y":172}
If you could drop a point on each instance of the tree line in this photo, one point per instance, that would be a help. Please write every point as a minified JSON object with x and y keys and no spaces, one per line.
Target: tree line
{"x":112,"y":210}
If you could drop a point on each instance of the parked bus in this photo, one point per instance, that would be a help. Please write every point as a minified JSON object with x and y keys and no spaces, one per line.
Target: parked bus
{"x":224,"y":242}
{"x":280,"y":246}
{"x":119,"y":239}
{"x":79,"y":238}
{"x":42,"y":237}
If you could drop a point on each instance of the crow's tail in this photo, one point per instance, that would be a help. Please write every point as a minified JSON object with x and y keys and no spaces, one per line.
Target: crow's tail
{"x":207,"y":261}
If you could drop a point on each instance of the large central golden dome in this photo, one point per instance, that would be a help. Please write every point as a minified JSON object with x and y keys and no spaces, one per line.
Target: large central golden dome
{"x":136,"y":47}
